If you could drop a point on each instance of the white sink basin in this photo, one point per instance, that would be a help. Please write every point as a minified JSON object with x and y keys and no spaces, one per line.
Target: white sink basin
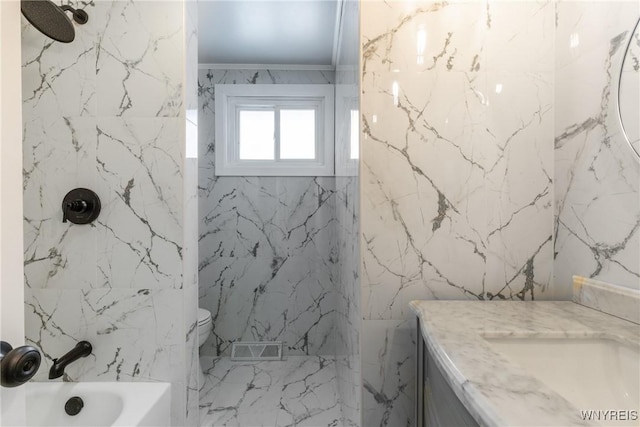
{"x":592,"y":373}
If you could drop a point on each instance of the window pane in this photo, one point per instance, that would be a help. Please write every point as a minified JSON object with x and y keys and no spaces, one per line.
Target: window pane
{"x":257,"y":135}
{"x":354,"y":147}
{"x":298,"y":134}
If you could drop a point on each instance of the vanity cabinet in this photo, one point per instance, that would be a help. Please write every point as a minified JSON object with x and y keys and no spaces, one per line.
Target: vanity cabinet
{"x":436,"y":403}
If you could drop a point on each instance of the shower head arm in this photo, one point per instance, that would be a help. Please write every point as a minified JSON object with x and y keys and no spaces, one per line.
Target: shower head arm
{"x":79,"y":15}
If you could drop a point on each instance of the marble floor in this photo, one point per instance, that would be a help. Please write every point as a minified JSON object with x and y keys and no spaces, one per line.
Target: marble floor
{"x":298,"y":391}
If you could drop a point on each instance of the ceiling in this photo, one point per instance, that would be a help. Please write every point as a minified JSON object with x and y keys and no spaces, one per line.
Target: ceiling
{"x":294,"y":32}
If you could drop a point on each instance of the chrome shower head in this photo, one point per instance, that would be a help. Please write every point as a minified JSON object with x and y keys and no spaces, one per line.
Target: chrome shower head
{"x":51,"y":19}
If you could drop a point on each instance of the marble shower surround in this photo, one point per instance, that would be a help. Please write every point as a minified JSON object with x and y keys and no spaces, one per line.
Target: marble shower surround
{"x":107,"y":112}
{"x":267,"y":244}
{"x":457,"y":167}
{"x":190,"y":229}
{"x":597,"y":177}
{"x":299,"y":391}
{"x":348,"y":317}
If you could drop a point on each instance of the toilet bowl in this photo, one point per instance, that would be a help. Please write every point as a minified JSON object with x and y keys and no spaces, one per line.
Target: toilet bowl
{"x":204,"y":329}
{"x":204,"y":325}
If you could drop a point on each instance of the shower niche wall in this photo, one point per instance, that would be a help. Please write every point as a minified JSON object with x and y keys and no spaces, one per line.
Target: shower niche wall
{"x":107,"y":112}
{"x":268,"y":244}
{"x":278,"y":254}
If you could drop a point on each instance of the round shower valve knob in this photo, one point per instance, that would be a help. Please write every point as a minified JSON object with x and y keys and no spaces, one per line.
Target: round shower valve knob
{"x":80,"y":206}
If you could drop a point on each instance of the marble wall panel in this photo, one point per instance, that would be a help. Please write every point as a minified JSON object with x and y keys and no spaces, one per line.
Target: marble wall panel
{"x":191,"y":347}
{"x":140,"y":58}
{"x":457,"y":170}
{"x":59,"y":79}
{"x":132,"y":336}
{"x":58,"y":153}
{"x":348,"y":315}
{"x":106,"y":112}
{"x":267,"y":244}
{"x":71,"y":146}
{"x":190,"y":229}
{"x":140,"y":166}
{"x":267,"y":217}
{"x":597,"y":177}
{"x":288,"y":298}
{"x":481,"y":201}
{"x":388,"y":372}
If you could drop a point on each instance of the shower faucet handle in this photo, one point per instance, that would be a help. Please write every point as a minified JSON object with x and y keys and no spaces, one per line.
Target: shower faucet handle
{"x":76,"y":206}
{"x":80,"y":206}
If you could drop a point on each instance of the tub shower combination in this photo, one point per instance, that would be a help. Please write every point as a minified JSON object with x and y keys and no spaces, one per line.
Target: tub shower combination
{"x":76,"y":403}
{"x":85,"y":403}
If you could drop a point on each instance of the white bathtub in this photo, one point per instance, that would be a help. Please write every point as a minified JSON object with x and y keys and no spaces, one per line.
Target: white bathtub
{"x":105,"y":404}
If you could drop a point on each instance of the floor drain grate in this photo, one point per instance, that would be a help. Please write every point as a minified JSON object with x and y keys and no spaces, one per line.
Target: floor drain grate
{"x":249,"y":350}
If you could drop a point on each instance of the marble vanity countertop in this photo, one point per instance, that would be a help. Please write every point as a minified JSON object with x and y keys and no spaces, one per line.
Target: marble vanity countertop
{"x":495,"y":390}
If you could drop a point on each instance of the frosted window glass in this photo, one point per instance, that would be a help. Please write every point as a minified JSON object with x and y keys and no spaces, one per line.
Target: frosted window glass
{"x":298,"y":134}
{"x":257,"y":135}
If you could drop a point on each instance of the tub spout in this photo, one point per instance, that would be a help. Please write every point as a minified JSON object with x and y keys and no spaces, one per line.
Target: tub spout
{"x":82,"y":349}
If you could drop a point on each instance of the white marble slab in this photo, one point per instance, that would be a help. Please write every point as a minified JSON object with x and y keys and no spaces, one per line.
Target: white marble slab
{"x":596,"y":177}
{"x":348,"y":322}
{"x":140,"y":228}
{"x":139,"y":73}
{"x":456,"y":159}
{"x":456,"y":169}
{"x":494,"y":390}
{"x":267,"y":245}
{"x":388,"y":372}
{"x":615,"y":300}
{"x":297,"y":391}
{"x":107,"y":112}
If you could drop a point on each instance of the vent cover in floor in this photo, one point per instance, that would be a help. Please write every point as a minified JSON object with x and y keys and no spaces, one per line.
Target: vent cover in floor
{"x":258,"y":350}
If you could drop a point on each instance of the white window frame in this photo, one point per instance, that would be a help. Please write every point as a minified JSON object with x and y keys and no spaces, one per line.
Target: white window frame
{"x":347,"y":106}
{"x":231,"y":98}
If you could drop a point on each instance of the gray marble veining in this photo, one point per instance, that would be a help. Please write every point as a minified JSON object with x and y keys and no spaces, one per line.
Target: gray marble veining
{"x":610,"y":299}
{"x":457,"y":171}
{"x":597,"y":177}
{"x":494,"y":389}
{"x":298,"y":391}
{"x":117,"y":322}
{"x":107,"y":112}
{"x":486,"y":204}
{"x":348,"y":323}
{"x":267,"y":245}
